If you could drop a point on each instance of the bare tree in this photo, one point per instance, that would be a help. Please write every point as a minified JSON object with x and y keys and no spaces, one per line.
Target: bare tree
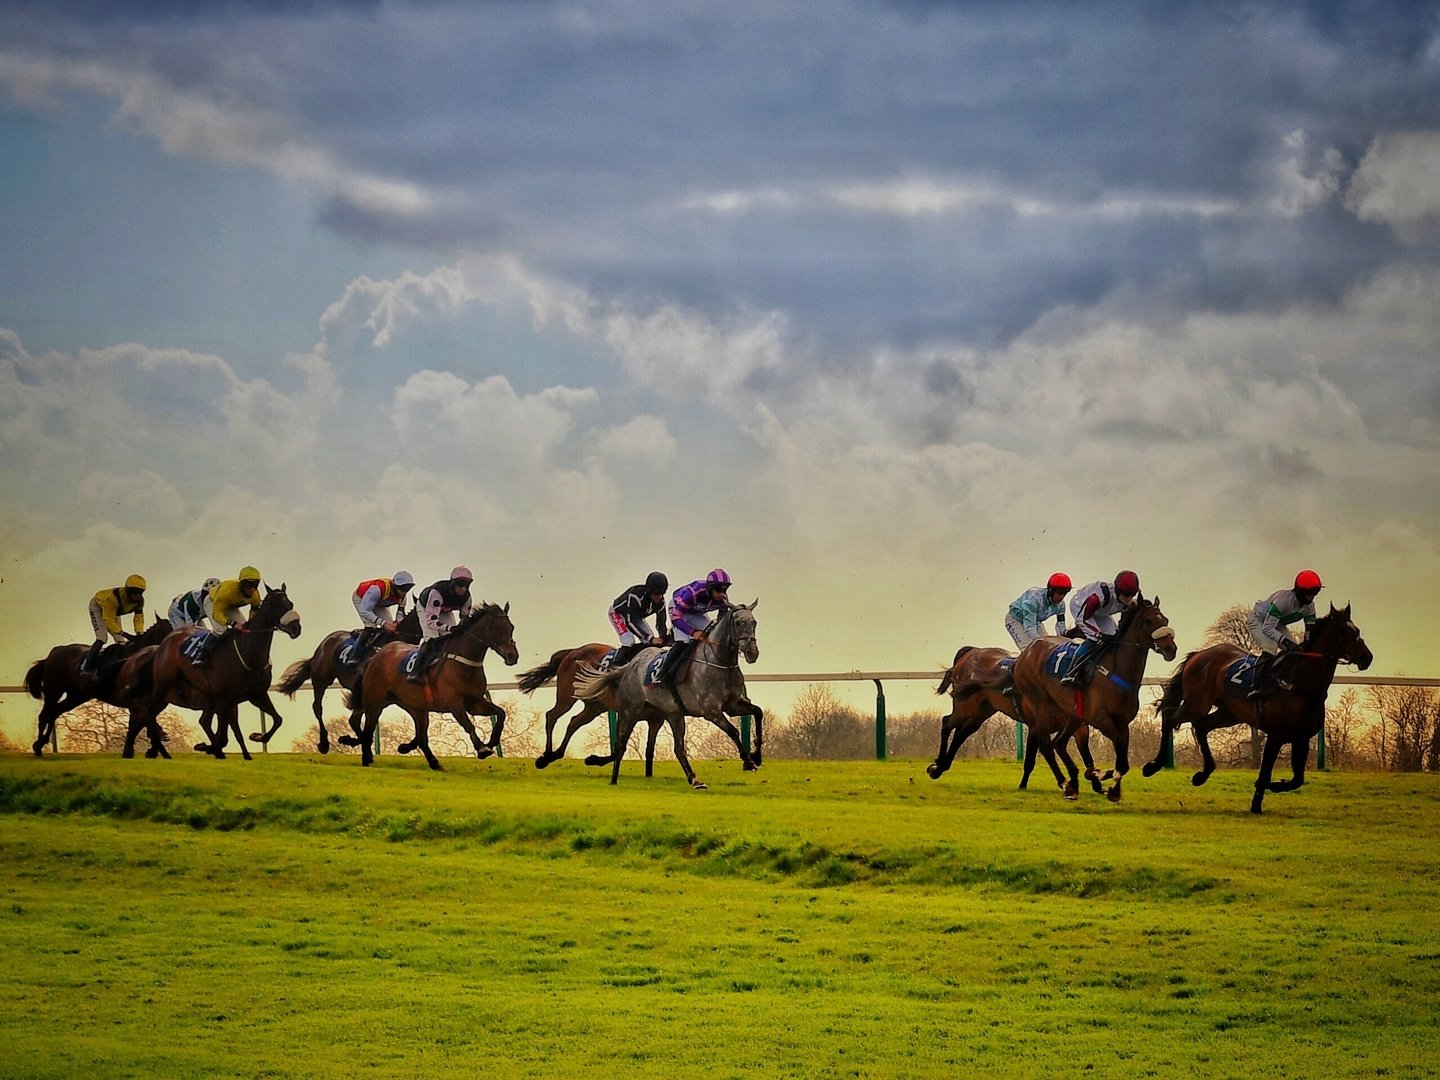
{"x":820,"y":726}
{"x":7,"y":746}
{"x":1408,"y":737}
{"x":98,"y":728}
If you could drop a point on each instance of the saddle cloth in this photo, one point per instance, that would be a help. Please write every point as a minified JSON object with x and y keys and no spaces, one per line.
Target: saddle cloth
{"x":1240,"y":676}
{"x":346,"y":655}
{"x":1063,"y":659}
{"x":606,"y":660}
{"x":194,"y":648}
{"x":652,"y":669}
{"x":408,"y":664}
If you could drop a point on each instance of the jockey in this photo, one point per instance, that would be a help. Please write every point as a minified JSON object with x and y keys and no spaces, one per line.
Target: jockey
{"x":1028,"y":612}
{"x":376,"y":603}
{"x":441,"y":607}
{"x":1270,"y":620}
{"x":193,"y":608}
{"x":106,"y":607}
{"x":227,"y":598}
{"x":630,"y":612}
{"x":690,"y":608}
{"x":1092,"y":608}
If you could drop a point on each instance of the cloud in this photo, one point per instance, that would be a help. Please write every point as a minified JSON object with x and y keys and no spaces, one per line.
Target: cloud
{"x":1395,"y":184}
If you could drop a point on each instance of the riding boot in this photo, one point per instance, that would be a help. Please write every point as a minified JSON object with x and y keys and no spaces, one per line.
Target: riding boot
{"x":622,"y":655}
{"x":87,"y":662}
{"x":673,"y":659}
{"x":1261,"y":686}
{"x":364,"y":641}
{"x":422,"y":661}
{"x":1079,"y":672}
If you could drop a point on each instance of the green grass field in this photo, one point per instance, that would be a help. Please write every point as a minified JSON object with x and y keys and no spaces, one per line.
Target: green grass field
{"x":305,"y":917}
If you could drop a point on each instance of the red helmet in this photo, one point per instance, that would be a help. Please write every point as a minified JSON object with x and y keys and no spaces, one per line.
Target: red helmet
{"x":1059,"y":581}
{"x":1307,"y":581}
{"x":1127,"y":581}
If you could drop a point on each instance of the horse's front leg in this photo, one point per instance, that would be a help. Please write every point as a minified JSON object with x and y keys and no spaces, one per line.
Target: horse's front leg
{"x":590,"y":712}
{"x":733,"y":734}
{"x":1299,"y":757}
{"x":207,"y":719}
{"x":1058,"y":743}
{"x":1267,"y":770}
{"x":267,"y":708}
{"x":654,"y":733}
{"x":497,"y":725}
{"x":1201,"y":729}
{"x":1082,"y":743}
{"x":1122,"y":760}
{"x":422,"y":738}
{"x":468,"y":726}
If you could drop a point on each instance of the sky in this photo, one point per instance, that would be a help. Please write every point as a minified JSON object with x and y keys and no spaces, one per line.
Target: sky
{"x":889,"y":309}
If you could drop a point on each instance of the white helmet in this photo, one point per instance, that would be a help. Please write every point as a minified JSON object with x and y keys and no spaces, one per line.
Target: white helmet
{"x":211,"y":583}
{"x":403,"y":577}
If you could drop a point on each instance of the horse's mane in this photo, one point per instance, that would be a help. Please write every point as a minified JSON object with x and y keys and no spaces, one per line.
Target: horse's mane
{"x":482,"y":610}
{"x":1324,"y":622}
{"x":156,"y":631}
{"x":1130,"y":614}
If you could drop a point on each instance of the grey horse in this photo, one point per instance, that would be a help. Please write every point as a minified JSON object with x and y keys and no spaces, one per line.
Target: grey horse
{"x":710,"y":686}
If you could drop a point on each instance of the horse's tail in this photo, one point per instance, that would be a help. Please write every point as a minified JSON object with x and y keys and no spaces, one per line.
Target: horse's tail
{"x":537,"y":677}
{"x":294,"y":676}
{"x":591,"y":684}
{"x":35,"y":679}
{"x":1172,"y":693}
{"x":945,"y":681}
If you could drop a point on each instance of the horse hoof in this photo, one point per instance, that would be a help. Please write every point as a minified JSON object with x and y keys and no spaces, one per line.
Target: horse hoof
{"x":152,"y":753}
{"x":436,"y":766}
{"x":255,"y":736}
{"x":1071,"y":796}
{"x":1150,"y":768}
{"x":219,"y":755}
{"x":542,"y":761}
{"x":748,"y":766}
{"x":127,"y":753}
{"x":324,"y":748}
{"x":596,"y":759}
{"x":1199,"y":778}
{"x":1113,"y":795}
{"x":38,"y":749}
{"x":933,"y":771}
{"x":482,"y":752}
{"x":699,"y":785}
{"x":202,"y":748}
{"x":347,"y":740}
{"x":405,"y":748}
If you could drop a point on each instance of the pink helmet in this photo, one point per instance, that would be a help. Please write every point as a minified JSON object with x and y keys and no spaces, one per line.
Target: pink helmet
{"x":718,"y":577}
{"x":461,"y":573}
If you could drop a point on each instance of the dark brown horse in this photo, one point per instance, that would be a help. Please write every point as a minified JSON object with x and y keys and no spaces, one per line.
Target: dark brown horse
{"x":563,"y":666}
{"x":1197,"y":694}
{"x":324,"y":667}
{"x":454,"y":683}
{"x":1108,"y":702}
{"x":61,"y":685}
{"x":238,"y":670}
{"x":980,"y":685}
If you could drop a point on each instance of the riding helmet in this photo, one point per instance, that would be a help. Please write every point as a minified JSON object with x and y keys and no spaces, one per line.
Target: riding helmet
{"x":135,"y":581}
{"x":1308,"y":581}
{"x":461,"y":573}
{"x":1059,"y":581}
{"x":657,"y":583}
{"x":211,"y":583}
{"x":402,"y":579}
{"x":249,"y":573}
{"x":718,"y":578}
{"x":1127,"y":581}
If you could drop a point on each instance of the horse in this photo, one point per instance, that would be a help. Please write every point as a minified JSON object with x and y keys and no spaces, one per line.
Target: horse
{"x":1197,"y":694}
{"x":710,"y":686}
{"x":324,"y":667}
{"x":980,"y":685}
{"x":562,"y":667}
{"x":454,"y":683}
{"x":61,"y":685}
{"x":1108,"y":702}
{"x":237,"y":671}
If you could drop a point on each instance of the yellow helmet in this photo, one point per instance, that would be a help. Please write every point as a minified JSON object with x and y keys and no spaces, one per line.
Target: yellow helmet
{"x":249,"y":573}
{"x":135,"y":581}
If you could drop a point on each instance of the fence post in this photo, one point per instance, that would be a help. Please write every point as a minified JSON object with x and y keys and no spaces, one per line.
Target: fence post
{"x":745,"y":733}
{"x":1019,"y":741}
{"x":1320,"y":747}
{"x":614,"y":732}
{"x":880,"y":740}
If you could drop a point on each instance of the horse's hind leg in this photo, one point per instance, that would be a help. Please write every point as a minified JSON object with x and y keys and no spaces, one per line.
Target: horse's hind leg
{"x":590,"y":712}
{"x":1082,"y":743}
{"x":654,"y":734}
{"x":1201,"y":730}
{"x":267,"y":708}
{"x":677,"y":732}
{"x":624,"y":728}
{"x":463,"y":719}
{"x":1299,"y":757}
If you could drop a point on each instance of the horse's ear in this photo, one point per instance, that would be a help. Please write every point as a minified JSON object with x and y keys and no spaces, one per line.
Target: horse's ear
{"x":282,"y":586}
{"x":754,"y":603}
{"x":1156,"y":601}
{"x":506,"y":609}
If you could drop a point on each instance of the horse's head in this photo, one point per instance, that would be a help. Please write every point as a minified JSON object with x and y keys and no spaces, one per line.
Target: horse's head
{"x":742,"y":630}
{"x":155,"y":633}
{"x":1335,"y":635}
{"x":278,"y":613}
{"x":496,"y":631}
{"x":1145,"y":624}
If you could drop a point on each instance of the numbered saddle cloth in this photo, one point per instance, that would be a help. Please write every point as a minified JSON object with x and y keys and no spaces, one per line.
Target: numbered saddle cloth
{"x":1240,"y":676}
{"x":606,"y":660}
{"x":348,"y":653}
{"x":652,"y":669}
{"x":408,"y":664}
{"x":194,"y":649}
{"x":1063,"y":659}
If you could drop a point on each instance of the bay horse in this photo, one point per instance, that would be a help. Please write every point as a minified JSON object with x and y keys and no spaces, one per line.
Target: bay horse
{"x":1197,"y":694}
{"x":238,"y":670}
{"x":1108,"y":702}
{"x":323,"y":667}
{"x":563,"y":666}
{"x":710,"y":685}
{"x":454,"y":683}
{"x":980,"y":684}
{"x":60,"y":684}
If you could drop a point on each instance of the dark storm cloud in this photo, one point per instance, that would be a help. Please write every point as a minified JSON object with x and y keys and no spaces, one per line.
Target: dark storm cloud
{"x":588,"y":137}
